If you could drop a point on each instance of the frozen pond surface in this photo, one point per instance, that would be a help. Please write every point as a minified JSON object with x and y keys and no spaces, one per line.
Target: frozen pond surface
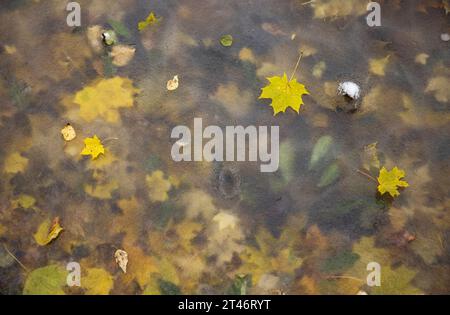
{"x":223,"y":227}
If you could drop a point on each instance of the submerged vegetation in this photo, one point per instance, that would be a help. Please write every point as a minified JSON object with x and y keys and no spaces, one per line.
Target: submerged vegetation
{"x":87,"y":174}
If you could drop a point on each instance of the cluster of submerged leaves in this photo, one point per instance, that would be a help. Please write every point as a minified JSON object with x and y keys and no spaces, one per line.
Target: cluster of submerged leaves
{"x":139,"y":223}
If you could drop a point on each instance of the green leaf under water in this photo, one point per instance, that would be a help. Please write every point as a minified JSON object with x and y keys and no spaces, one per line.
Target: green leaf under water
{"x":287,"y":160}
{"x":320,"y":150}
{"x":48,"y":280}
{"x":330,"y":175}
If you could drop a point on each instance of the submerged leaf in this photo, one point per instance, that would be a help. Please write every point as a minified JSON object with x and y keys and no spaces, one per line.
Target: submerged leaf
{"x":370,"y":157}
{"x":377,"y":66}
{"x":103,"y":98}
{"x":329,"y":176}
{"x":284,"y":93}
{"x":46,"y":233}
{"x":48,"y":280}
{"x":25,"y":201}
{"x":320,"y":150}
{"x":393,"y":281}
{"x":120,"y":28}
{"x":122,"y":55}
{"x":15,"y":163}
{"x":101,"y":191}
{"x":439,"y":87}
{"x":97,"y":282}
{"x":158,"y":186}
{"x":287,"y":160}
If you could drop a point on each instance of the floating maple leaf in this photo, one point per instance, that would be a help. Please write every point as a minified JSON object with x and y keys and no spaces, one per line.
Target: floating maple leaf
{"x":284,"y":93}
{"x":93,"y":147}
{"x":389,"y":181}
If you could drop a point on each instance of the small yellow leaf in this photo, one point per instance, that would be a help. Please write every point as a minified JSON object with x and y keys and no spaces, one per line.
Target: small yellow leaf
{"x":15,"y":163}
{"x":389,"y":181}
{"x":93,"y":147}
{"x":10,"y":50}
{"x":46,"y":233}
{"x":319,"y":69}
{"x":377,"y":66}
{"x":68,"y":133}
{"x":439,"y":86}
{"x":25,"y":201}
{"x":172,"y":84}
{"x":150,"y":20}
{"x":422,"y":58}
{"x":284,"y":93}
{"x":246,"y":54}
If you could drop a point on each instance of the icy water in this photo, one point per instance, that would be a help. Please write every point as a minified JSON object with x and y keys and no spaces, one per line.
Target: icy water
{"x":223,"y":227}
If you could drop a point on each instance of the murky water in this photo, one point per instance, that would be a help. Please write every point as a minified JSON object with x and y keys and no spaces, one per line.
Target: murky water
{"x":216,"y":227}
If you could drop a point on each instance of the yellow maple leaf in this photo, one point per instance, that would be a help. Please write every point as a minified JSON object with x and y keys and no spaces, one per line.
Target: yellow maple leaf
{"x":150,"y":20}
{"x":393,"y":280}
{"x":273,"y":255}
{"x":46,"y":233}
{"x":284,"y":93}
{"x":93,"y":146}
{"x":104,"y":97}
{"x":389,"y":181}
{"x":378,"y":66}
